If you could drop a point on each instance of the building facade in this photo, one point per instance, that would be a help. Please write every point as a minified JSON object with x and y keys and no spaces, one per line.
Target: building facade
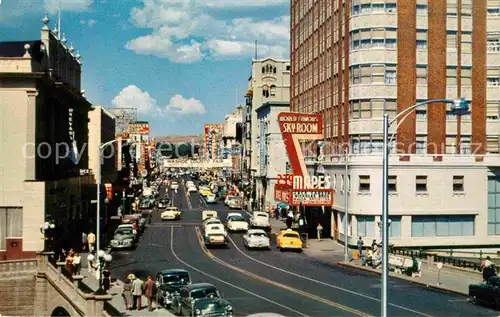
{"x":102,"y":130}
{"x":353,"y":60}
{"x":232,"y":139}
{"x":271,"y":152}
{"x":44,"y":128}
{"x":269,"y":82}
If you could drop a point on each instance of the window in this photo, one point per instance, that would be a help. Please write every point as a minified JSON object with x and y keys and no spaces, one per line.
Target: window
{"x":492,"y":109}
{"x":273,"y":90}
{"x":494,"y":205}
{"x":451,"y":76}
{"x":366,"y":226}
{"x":421,"y":184}
{"x":392,"y":183}
{"x":422,"y":9}
{"x":11,"y":225}
{"x":390,"y":76}
{"x":421,"y":147}
{"x":458,"y":183}
{"x":395,"y":226}
{"x":493,"y":41}
{"x":421,"y":75}
{"x":265,"y":91}
{"x":364,"y":183}
{"x":421,"y":44}
{"x":442,"y":226}
{"x":492,"y":144}
{"x":492,"y":76}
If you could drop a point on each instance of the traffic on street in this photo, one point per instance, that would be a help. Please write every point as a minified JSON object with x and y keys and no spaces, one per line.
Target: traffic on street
{"x":236,"y":278}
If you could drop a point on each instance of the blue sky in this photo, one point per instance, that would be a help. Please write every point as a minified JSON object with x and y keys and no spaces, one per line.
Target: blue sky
{"x":181,"y":63}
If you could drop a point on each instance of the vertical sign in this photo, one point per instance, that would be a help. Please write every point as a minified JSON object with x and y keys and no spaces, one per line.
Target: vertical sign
{"x":262,"y":138}
{"x":211,"y":139}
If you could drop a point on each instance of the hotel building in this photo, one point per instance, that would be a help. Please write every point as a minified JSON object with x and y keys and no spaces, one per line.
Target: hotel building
{"x":351,"y":60}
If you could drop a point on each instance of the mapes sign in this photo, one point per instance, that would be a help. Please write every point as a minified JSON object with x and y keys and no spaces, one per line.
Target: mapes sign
{"x":300,"y":188}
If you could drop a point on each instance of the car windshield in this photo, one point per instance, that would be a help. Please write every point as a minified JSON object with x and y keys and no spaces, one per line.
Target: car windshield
{"x":174,"y":183}
{"x":215,"y":228}
{"x":262,"y":215}
{"x":258,"y":234}
{"x":124,"y":231}
{"x":236,"y":218}
{"x":202,"y":293}
{"x":175,"y":279}
{"x":163,"y":201}
{"x":172,"y":208}
{"x":290,"y":235}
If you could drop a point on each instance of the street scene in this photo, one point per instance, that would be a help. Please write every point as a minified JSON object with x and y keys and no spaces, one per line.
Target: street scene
{"x":249,"y":158}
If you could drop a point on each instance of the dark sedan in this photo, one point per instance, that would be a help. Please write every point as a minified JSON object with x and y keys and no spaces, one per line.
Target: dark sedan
{"x":214,"y":307}
{"x":487,"y":293}
{"x":169,"y":283}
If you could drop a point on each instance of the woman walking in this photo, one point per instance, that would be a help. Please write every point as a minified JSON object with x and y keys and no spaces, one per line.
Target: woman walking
{"x":127,"y":292}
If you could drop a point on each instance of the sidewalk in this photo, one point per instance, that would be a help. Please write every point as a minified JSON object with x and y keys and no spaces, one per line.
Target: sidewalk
{"x":117,"y":300}
{"x":451,"y":279}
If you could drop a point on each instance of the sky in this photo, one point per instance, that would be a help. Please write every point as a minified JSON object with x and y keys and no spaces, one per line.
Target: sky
{"x":181,"y":63}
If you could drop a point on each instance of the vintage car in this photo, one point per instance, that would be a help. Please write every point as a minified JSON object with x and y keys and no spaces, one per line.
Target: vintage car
{"x":205,"y":191}
{"x":256,"y":238}
{"x":146,"y":204}
{"x":131,"y":227}
{"x":208,"y":214}
{"x":289,"y":239}
{"x":260,"y":219}
{"x":212,"y":306}
{"x":174,"y":185}
{"x":215,"y":234}
{"x":189,"y":294}
{"x":211,"y":199}
{"x":236,"y":222}
{"x":228,"y":199}
{"x":123,"y":238}
{"x":171,"y":213}
{"x":235,"y":203}
{"x":265,"y":315}
{"x":192,"y":189}
{"x":163,"y":203}
{"x":211,"y":221}
{"x":168,"y":283}
{"x":486,"y":293}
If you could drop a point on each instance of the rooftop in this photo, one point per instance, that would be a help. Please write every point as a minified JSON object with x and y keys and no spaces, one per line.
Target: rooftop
{"x":16,"y":49}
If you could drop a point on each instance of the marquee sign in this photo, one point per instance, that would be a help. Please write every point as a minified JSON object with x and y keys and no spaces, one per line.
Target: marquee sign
{"x":139,"y":128}
{"x":298,"y":186}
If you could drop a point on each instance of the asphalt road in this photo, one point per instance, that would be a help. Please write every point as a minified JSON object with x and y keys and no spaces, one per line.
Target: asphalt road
{"x":287,"y":283}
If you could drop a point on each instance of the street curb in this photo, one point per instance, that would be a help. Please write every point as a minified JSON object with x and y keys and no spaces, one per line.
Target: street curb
{"x":373,"y":271}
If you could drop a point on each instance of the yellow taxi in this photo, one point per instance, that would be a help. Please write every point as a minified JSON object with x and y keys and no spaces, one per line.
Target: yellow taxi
{"x":205,"y":191}
{"x":289,"y":239}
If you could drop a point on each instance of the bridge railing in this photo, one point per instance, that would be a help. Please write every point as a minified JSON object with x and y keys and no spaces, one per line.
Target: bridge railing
{"x":434,"y":257}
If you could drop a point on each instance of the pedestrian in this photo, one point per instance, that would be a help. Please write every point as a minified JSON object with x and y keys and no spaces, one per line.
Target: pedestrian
{"x":319,"y":231}
{"x":374,"y":245}
{"x":106,"y":280}
{"x":127,"y":291}
{"x":137,"y":293}
{"x":69,"y":263}
{"x":289,"y":220}
{"x":360,"y":246}
{"x":91,"y":241}
{"x":150,"y":291}
{"x":84,"y":242}
{"x":77,"y":263}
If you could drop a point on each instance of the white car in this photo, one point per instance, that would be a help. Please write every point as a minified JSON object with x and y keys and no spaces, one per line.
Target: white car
{"x":129,"y":226}
{"x":192,"y":189}
{"x":211,"y":221}
{"x":215,"y":235}
{"x":260,"y":219}
{"x":211,"y":199}
{"x":236,"y":222}
{"x":171,"y":213}
{"x":228,"y":199}
{"x":174,"y":185}
{"x":256,"y":238}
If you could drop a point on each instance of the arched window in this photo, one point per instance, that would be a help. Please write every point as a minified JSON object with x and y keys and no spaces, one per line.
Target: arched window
{"x":265,"y":91}
{"x":274,"y":70}
{"x":263,"y":70}
{"x":272,"y":91}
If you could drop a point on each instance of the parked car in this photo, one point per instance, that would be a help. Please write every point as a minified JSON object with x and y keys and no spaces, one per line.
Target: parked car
{"x":169,"y":283}
{"x":235,"y":203}
{"x":212,"y":306}
{"x":211,"y":199}
{"x":228,"y":199}
{"x":260,"y":219}
{"x":236,"y":222}
{"x":215,"y":234}
{"x":189,"y":294}
{"x":289,"y":239}
{"x":256,"y":239}
{"x":486,"y":293}
{"x":192,"y":189}
{"x":171,"y":213}
{"x":123,"y":238}
{"x":163,"y":203}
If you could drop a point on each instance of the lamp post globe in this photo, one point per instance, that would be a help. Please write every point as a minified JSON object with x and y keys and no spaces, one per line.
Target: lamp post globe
{"x":52,"y":226}
{"x":108,"y":257}
{"x":100,"y":253}
{"x":91,"y":257}
{"x":46,"y":225}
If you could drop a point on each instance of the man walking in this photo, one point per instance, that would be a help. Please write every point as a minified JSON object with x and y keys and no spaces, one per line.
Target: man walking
{"x":149,"y":291}
{"x":137,"y":285}
{"x":360,"y":246}
{"x":91,"y":241}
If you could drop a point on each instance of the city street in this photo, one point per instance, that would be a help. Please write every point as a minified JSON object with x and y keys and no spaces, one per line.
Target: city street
{"x":291,"y":284}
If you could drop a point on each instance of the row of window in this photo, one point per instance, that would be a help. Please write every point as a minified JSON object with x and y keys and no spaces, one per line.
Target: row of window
{"x":422,"y":9}
{"x":494,"y":205}
{"x":420,"y":184}
{"x":421,"y":226}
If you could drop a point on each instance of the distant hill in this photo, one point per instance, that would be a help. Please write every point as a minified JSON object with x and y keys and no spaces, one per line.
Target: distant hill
{"x":181,"y":138}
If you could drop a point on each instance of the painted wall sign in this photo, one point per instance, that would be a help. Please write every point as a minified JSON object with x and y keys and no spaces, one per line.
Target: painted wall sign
{"x":72,"y":141}
{"x":305,"y":189}
{"x":139,"y":128}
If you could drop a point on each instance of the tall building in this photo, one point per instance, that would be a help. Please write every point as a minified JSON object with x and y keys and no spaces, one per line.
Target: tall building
{"x":139,"y":133}
{"x":269,"y":82}
{"x":214,"y":146}
{"x":231,"y":138}
{"x":43,"y":117}
{"x":102,"y":130}
{"x":353,"y":60}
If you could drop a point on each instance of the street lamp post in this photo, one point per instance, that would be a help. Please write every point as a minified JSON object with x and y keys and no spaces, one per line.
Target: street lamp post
{"x":102,"y":259}
{"x":346,"y":205}
{"x":458,"y":107}
{"x":45,"y":229}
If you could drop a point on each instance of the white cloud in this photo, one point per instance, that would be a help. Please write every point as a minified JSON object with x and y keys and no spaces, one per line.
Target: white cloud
{"x":52,"y":6}
{"x":90,"y":23}
{"x":134,"y":97}
{"x":188,"y":31}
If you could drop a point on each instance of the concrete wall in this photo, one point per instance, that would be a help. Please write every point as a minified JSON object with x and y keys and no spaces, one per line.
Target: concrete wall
{"x":102,"y":129}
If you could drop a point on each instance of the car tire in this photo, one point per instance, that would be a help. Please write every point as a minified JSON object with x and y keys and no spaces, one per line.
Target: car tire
{"x":281,"y":249}
{"x":472,"y":299}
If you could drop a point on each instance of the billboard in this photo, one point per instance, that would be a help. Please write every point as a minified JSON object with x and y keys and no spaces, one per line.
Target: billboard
{"x":139,"y":128}
{"x":213,"y":134}
{"x":297,"y":187}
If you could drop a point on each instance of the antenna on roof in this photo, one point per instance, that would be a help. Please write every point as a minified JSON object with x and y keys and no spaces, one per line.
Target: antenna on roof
{"x":59,"y":17}
{"x":255,"y":49}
